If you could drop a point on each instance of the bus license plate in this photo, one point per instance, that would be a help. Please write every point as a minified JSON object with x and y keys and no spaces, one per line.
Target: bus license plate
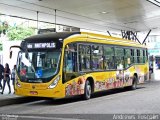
{"x":34,"y":92}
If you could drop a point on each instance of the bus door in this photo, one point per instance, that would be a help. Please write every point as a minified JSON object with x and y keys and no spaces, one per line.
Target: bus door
{"x":70,"y":62}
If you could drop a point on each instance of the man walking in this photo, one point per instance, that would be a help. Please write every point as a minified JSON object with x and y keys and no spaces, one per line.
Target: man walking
{"x":1,"y":74}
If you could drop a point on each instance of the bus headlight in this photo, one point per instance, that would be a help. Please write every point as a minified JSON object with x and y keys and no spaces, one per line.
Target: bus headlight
{"x":18,"y":84}
{"x":55,"y":82}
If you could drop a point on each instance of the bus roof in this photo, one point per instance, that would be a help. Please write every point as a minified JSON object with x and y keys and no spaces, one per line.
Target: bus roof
{"x":56,"y":36}
{"x":112,"y":40}
{"x":50,"y":36}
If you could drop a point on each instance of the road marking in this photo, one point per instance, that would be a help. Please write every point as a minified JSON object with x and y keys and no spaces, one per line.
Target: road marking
{"x":7,"y":117}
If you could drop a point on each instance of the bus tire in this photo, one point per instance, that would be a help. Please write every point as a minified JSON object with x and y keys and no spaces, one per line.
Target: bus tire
{"x":134,"y":83}
{"x":87,"y":90}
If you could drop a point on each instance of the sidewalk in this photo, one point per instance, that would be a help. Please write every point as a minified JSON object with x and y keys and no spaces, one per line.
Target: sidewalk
{"x":7,"y":99}
{"x":156,"y":74}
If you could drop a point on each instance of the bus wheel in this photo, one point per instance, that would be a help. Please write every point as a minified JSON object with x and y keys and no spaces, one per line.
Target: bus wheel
{"x":134,"y":84}
{"x":87,"y":91}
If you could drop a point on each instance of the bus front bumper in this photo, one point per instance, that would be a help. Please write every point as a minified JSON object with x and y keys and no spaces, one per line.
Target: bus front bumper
{"x":51,"y":93}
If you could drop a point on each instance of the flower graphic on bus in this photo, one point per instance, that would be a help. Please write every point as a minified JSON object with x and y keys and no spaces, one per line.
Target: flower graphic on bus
{"x":75,"y":88}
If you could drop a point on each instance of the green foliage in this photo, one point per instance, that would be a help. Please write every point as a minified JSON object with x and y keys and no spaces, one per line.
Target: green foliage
{"x":19,"y":32}
{"x":1,"y":48}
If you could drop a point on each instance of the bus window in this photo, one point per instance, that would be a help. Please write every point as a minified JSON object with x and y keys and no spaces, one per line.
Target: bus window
{"x":119,"y":58}
{"x":109,"y":58}
{"x":38,"y":65}
{"x":135,"y":55}
{"x":141,"y":56}
{"x":138,"y":56}
{"x":84,"y":57}
{"x":97,"y":57}
{"x":127,"y":58}
{"x":132,"y":56}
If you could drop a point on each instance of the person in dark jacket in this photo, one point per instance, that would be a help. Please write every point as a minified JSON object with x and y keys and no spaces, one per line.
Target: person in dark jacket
{"x":13,"y":76}
{"x":1,"y":74}
{"x":7,"y":72}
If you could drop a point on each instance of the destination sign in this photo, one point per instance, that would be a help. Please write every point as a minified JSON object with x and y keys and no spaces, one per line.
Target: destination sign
{"x":41,"y":45}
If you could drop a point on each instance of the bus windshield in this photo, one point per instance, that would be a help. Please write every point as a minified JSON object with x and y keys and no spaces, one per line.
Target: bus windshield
{"x":35,"y":66}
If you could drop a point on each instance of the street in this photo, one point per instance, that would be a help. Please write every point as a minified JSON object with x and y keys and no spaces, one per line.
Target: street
{"x":144,"y":100}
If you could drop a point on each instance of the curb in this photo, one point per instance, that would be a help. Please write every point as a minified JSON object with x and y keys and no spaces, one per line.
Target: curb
{"x":9,"y":101}
{"x":17,"y":100}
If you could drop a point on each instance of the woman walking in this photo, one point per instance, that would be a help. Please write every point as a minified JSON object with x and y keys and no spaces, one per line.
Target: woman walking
{"x":7,"y":72}
{"x":1,"y":74}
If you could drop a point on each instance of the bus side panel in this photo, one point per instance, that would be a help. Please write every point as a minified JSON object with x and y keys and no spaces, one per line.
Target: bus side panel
{"x":105,"y":80}
{"x":75,"y":86}
{"x":143,"y":73}
{"x":108,"y":80}
{"x":128,"y":76}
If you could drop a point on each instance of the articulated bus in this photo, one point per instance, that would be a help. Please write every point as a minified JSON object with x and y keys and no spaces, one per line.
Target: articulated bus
{"x":64,"y":64}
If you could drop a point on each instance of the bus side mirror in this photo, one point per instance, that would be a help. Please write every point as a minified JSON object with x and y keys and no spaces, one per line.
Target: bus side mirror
{"x":10,"y":55}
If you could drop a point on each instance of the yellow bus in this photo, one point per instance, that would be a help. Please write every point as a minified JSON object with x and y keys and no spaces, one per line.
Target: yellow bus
{"x":65,"y":64}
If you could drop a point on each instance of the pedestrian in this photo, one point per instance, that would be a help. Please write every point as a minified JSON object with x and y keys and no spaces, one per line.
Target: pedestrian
{"x":1,"y":74}
{"x":13,"y":76}
{"x":7,"y":72}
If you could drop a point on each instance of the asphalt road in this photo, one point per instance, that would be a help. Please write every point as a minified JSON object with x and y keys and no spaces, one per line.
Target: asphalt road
{"x":144,"y":100}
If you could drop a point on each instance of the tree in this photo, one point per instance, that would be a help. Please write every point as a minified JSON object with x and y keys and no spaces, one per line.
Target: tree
{"x":1,"y":47}
{"x":19,"y":32}
{"x":3,"y":27}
